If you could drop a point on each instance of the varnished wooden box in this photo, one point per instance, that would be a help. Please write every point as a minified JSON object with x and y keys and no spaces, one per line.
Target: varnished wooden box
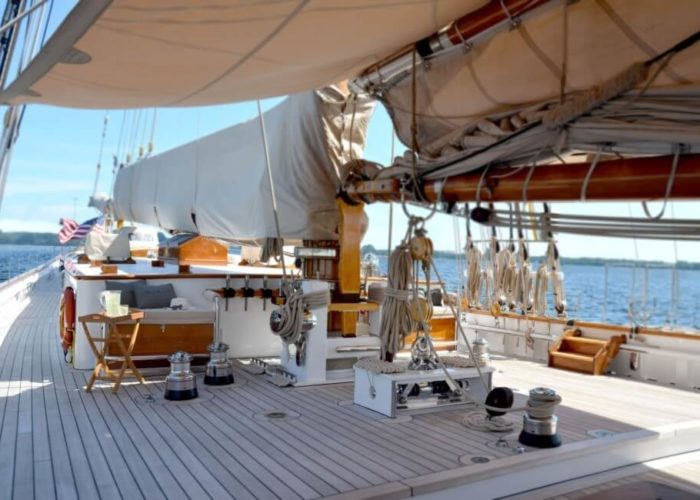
{"x":194,"y":249}
{"x":166,"y":339}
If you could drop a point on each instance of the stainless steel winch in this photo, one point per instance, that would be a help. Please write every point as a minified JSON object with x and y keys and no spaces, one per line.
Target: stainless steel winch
{"x":539,"y":421}
{"x":180,"y":384}
{"x":480,"y":347}
{"x":219,"y":369}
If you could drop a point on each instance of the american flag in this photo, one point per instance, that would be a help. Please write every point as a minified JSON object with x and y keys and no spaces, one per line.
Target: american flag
{"x":70,"y":229}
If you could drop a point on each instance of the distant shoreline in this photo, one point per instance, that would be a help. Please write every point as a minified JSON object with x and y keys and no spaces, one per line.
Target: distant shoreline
{"x":51,"y":239}
{"x":33,"y":239}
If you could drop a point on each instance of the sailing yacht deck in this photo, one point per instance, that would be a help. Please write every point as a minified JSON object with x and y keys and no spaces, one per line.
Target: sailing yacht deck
{"x":56,"y":441}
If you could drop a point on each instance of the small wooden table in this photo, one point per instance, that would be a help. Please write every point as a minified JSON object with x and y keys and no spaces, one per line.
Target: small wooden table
{"x":125,"y":342}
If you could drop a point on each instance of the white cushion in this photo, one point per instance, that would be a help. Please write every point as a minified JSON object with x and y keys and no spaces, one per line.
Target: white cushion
{"x":442,"y":312}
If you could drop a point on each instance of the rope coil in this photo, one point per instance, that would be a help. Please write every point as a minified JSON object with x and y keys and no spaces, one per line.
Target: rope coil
{"x":292,"y":313}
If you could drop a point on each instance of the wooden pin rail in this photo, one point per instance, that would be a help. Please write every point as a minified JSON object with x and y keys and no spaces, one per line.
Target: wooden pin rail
{"x":613,"y":180}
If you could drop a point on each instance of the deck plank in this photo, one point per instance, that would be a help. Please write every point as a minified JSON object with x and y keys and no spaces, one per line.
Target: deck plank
{"x":317,"y":450}
{"x":93,"y":474}
{"x":43,"y":470}
{"x":10,"y":422}
{"x":290,"y":451}
{"x":178,"y":471}
{"x":64,"y":483}
{"x":56,"y":441}
{"x":265,"y":466}
{"x":358,"y":440}
{"x":215,"y":479}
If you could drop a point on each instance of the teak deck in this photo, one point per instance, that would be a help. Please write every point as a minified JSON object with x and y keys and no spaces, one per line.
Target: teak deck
{"x":57,"y":441}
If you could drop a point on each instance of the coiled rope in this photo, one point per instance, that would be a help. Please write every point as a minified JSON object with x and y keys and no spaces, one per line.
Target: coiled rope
{"x":293,"y":312}
{"x":477,"y":421}
{"x":396,"y":321}
{"x":398,"y":316}
{"x":474,"y":278}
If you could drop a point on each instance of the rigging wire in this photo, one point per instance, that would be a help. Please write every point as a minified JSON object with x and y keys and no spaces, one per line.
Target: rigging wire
{"x":133,"y":136}
{"x":271,"y":185}
{"x":101,"y":150}
{"x":117,"y":153}
{"x":144,"y":132}
{"x":391,"y":205}
{"x":153,"y":132}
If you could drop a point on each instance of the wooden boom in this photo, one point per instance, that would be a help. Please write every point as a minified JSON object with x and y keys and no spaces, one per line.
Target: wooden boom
{"x":624,"y":179}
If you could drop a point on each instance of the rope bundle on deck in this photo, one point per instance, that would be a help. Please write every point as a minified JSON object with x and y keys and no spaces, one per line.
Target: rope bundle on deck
{"x":292,"y":313}
{"x":396,"y":321}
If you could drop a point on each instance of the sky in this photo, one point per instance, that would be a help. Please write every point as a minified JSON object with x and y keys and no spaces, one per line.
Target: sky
{"x":53,"y":169}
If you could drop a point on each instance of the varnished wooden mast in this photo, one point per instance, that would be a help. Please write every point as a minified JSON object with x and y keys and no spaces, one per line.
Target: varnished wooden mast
{"x":622,"y":179}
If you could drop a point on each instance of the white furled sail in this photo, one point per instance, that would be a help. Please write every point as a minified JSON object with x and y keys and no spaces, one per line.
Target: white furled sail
{"x":217,"y":186}
{"x":617,"y":76}
{"x":156,"y":53}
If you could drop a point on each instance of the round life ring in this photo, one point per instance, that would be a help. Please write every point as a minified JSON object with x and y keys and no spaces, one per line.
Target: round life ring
{"x":66,"y":316}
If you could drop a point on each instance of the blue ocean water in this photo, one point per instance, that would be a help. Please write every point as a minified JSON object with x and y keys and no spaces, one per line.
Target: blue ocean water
{"x":594,"y":293}
{"x":650,"y":290}
{"x":17,"y":259}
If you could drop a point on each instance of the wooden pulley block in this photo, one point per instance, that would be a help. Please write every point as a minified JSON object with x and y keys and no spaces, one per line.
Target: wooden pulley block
{"x":495,"y":309}
{"x":421,"y":248}
{"x":420,"y":310}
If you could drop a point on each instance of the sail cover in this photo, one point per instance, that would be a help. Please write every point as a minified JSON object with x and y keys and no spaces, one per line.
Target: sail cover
{"x":217,"y":186}
{"x":559,"y":49}
{"x":132,"y":54}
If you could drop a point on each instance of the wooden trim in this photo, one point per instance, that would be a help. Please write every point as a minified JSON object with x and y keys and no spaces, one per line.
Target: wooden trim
{"x":510,"y":315}
{"x":674,"y":335}
{"x":351,"y":232}
{"x":191,"y":275}
{"x":627,"y":329}
{"x":349,"y":307}
{"x":606,"y":326}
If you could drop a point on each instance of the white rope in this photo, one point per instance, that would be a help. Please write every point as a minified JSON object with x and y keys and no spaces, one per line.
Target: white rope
{"x":293,"y":312}
{"x":478,"y":421}
{"x":669,"y":184}
{"x":541,"y":282}
{"x":589,"y":174}
{"x":460,"y":362}
{"x":474,"y":278}
{"x":597,"y":225}
{"x":397,"y":317}
{"x":557,"y":277}
{"x":505,"y":271}
{"x":487,"y":284}
{"x":380,"y":366}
